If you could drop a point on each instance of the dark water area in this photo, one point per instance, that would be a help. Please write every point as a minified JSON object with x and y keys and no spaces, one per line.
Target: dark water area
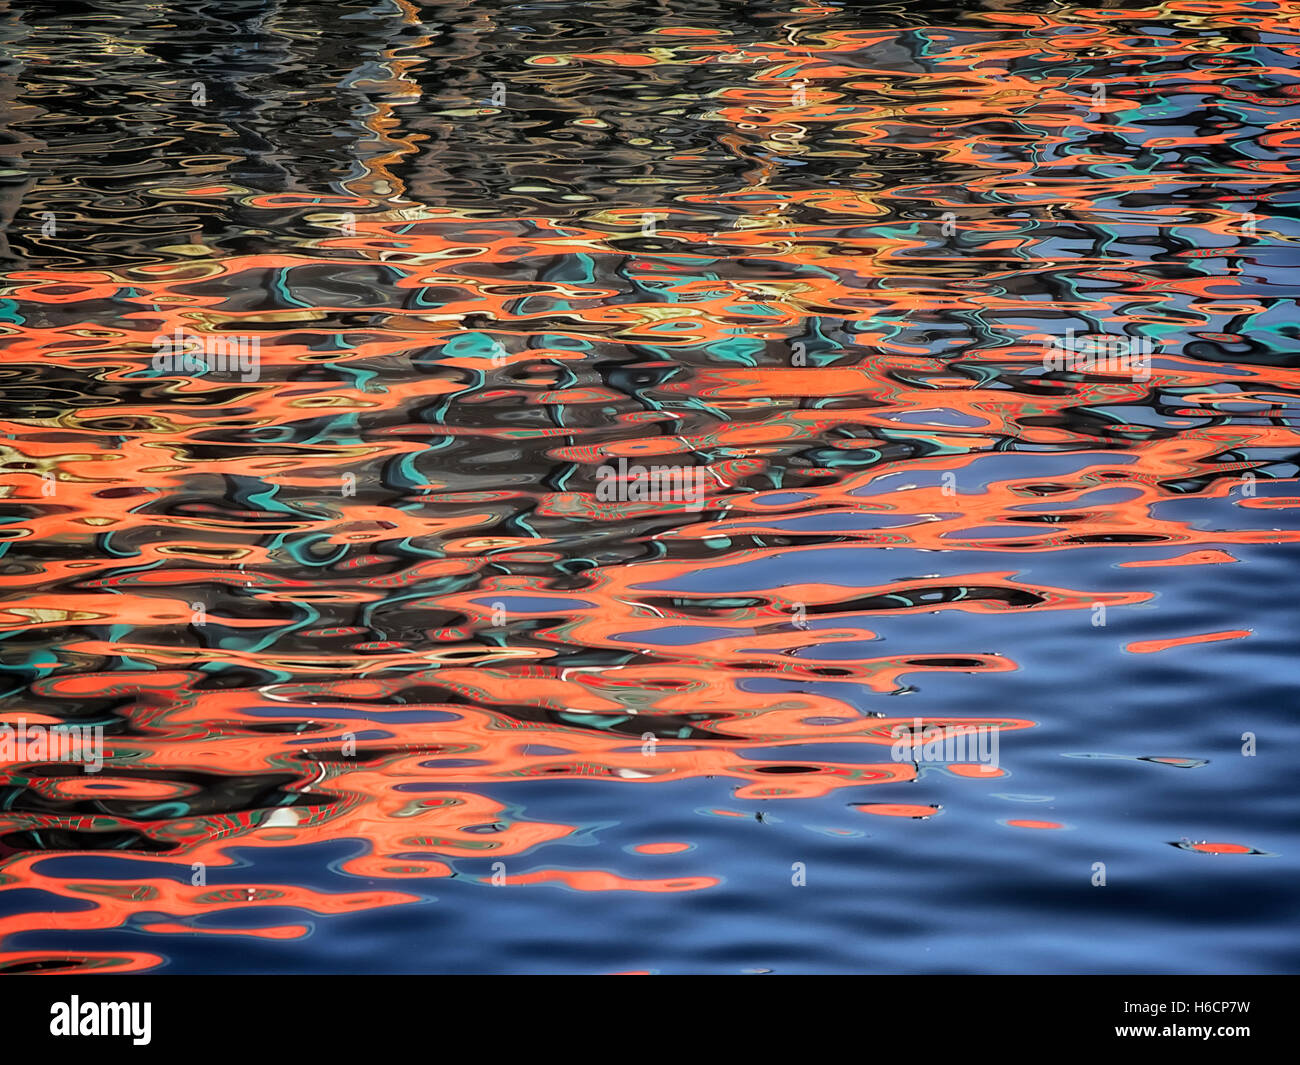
{"x":536,"y":487}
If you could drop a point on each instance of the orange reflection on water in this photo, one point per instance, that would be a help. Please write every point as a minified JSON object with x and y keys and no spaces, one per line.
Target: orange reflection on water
{"x":305,"y":616}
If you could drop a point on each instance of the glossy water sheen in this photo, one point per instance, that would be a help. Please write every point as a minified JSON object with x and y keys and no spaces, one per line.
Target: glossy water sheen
{"x":907,"y":515}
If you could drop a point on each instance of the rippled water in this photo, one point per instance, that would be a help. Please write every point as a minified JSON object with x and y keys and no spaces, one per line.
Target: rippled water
{"x":387,"y":679}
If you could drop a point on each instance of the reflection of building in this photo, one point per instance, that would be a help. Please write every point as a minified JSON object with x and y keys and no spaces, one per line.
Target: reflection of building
{"x":188,"y":122}
{"x":273,"y":97}
{"x":14,"y":185}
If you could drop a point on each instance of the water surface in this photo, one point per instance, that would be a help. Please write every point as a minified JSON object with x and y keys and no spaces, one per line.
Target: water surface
{"x":387,"y":683}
